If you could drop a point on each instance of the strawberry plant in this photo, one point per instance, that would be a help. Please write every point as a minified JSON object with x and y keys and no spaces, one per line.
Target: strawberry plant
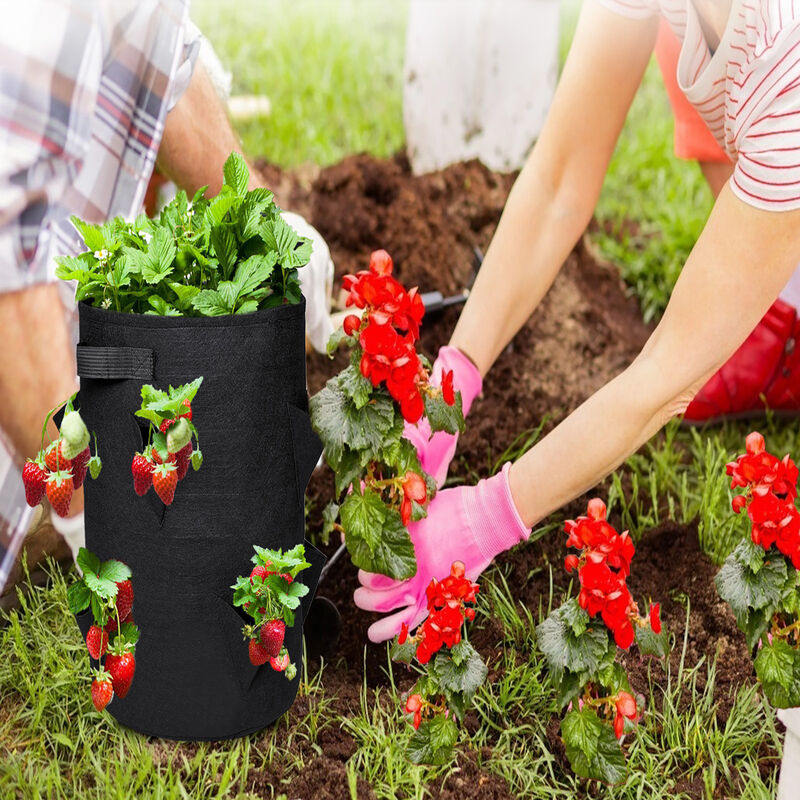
{"x":360,"y":414}
{"x":105,"y":588}
{"x":231,"y":254}
{"x":760,"y":579}
{"x":450,"y":668}
{"x":581,"y":641}
{"x":270,"y":594}
{"x":169,"y":451}
{"x":61,"y":466}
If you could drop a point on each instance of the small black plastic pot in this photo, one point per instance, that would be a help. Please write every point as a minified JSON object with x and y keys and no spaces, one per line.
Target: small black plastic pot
{"x":193,"y":676}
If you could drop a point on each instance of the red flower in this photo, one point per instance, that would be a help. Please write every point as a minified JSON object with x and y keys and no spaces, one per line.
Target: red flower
{"x":754,"y":443}
{"x":415,"y":490}
{"x":626,"y":705}
{"x":448,"y":393}
{"x":414,"y":703}
{"x":351,"y":324}
{"x":626,"y":709}
{"x":448,"y":606}
{"x":401,"y":639}
{"x":380,"y":262}
{"x":655,"y":617}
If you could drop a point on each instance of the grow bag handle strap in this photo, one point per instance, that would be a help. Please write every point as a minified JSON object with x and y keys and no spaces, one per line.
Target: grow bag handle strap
{"x":115,"y":363}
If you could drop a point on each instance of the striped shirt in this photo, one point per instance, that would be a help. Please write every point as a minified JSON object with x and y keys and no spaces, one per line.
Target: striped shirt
{"x":747,"y":90}
{"x":85,"y":86}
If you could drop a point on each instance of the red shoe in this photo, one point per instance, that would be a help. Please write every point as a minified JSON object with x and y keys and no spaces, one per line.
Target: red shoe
{"x":763,"y":373}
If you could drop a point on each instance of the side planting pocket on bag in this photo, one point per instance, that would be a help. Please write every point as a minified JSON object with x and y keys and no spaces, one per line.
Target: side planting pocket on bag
{"x":307,"y":448}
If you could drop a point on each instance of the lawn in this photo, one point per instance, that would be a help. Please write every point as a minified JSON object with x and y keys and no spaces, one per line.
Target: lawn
{"x":332,"y":70}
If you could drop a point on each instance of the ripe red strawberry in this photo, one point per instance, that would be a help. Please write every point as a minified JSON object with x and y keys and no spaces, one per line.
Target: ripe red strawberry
{"x":121,"y":668}
{"x":280,"y":662}
{"x":55,"y":459}
{"x":59,"y":492}
{"x":259,"y":571}
{"x":124,"y":599}
{"x":182,"y":460}
{"x":165,"y":479}
{"x":257,"y":652}
{"x":142,"y":470}
{"x":166,"y":424}
{"x":34,"y":478}
{"x":102,"y":692}
{"x":96,"y":642}
{"x":272,"y":634}
{"x":80,"y":466}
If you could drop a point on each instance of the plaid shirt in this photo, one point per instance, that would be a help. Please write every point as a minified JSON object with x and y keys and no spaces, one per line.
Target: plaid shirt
{"x":85,"y":86}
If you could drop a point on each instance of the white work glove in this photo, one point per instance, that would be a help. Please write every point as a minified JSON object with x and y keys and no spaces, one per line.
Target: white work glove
{"x":72,"y":529}
{"x":790,"y":766}
{"x":316,"y":281}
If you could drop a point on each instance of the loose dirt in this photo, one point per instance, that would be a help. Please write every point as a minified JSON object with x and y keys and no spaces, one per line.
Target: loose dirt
{"x":586,"y":330}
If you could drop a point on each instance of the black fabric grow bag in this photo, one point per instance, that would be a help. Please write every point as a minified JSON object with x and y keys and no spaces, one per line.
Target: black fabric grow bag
{"x":193,"y":676}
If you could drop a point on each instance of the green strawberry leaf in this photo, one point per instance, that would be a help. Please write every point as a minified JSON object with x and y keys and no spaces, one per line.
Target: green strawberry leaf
{"x":236,"y":174}
{"x":160,"y":255}
{"x":115,"y":571}
{"x":78,"y":597}
{"x":102,"y":587}
{"x":88,"y":562}
{"x":210,"y":303}
{"x":128,"y":633}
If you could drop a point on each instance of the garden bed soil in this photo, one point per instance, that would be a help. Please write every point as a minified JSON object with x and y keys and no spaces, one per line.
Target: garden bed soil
{"x":586,"y":330}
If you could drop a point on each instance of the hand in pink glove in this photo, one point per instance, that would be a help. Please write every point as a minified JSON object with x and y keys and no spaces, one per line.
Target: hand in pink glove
{"x":437,"y":451}
{"x":472,"y":524}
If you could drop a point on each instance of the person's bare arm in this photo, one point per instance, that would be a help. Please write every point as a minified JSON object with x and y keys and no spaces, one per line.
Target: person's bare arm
{"x":198,"y":138}
{"x":554,"y":197}
{"x":737,"y":268}
{"x":37,"y":363}
{"x":37,"y":368}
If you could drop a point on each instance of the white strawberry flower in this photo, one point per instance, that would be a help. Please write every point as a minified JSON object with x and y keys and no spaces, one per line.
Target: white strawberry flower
{"x":146,"y":236}
{"x":101,"y":255}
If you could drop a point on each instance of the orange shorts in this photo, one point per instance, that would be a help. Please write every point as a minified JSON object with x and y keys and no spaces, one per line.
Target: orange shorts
{"x":693,"y":139}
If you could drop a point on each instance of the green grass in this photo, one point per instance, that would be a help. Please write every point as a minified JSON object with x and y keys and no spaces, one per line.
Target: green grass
{"x":53,"y":743}
{"x":332,"y":69}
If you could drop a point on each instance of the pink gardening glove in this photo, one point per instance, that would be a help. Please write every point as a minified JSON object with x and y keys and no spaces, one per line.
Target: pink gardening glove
{"x":437,"y":451}
{"x":472,"y":524}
